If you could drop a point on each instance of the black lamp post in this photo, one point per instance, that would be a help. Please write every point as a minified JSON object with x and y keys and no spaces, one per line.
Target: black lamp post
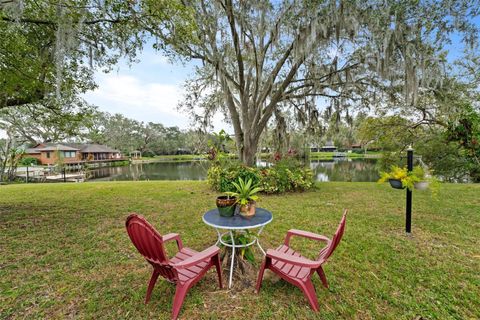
{"x":408,"y":216}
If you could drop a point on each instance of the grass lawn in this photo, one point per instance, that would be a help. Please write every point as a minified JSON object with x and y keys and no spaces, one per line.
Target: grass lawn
{"x":65,"y":253}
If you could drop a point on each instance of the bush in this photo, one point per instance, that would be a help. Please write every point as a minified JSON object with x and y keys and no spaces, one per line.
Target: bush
{"x":271,"y":181}
{"x":220,"y":177}
{"x":358,"y":151}
{"x":285,"y":175}
{"x":148,"y":154}
{"x":28,"y":161}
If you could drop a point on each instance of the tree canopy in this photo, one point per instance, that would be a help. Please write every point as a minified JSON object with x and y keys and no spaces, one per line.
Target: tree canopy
{"x":262,"y":57}
{"x":49,"y":50}
{"x":261,"y":60}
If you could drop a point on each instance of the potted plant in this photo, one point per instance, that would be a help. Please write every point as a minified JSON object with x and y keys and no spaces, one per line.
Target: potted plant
{"x":419,"y":179}
{"x":422,"y":180}
{"x":396,"y":177}
{"x":246,"y":196}
{"x":422,"y":185}
{"x":226,"y":205}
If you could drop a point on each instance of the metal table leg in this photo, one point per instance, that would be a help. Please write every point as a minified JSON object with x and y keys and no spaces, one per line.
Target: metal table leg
{"x":233,"y":259}
{"x":258,"y":243}
{"x":233,"y":246}
{"x":219,"y":236}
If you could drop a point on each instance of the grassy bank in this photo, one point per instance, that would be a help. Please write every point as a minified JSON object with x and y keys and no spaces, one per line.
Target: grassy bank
{"x":352,"y":155}
{"x":65,"y":253}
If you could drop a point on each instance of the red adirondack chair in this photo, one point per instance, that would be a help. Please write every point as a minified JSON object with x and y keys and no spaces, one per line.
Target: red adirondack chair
{"x":298,"y":270}
{"x":185,"y":269}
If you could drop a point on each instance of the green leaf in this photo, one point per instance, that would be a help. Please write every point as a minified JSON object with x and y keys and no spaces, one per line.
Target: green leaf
{"x":249,"y":183}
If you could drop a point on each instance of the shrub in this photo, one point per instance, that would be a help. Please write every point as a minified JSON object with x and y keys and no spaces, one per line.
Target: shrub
{"x":148,"y":154}
{"x":220,"y":177}
{"x":285,"y":175}
{"x":214,"y":175}
{"x":358,"y":151}
{"x":270,"y":181}
{"x":301,"y":179}
{"x":28,"y":161}
{"x":247,"y":173}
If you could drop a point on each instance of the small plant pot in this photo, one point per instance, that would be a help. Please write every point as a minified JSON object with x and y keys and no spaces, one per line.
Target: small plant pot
{"x":226,"y":205}
{"x":396,"y":184}
{"x":421,"y":185}
{"x":248,"y":210}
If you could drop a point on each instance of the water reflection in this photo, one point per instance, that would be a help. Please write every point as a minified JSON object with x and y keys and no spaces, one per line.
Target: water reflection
{"x":343,"y":169}
{"x":324,"y":170}
{"x":194,"y":170}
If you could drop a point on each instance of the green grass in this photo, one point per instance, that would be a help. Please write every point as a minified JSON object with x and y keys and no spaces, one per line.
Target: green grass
{"x":65,"y":253}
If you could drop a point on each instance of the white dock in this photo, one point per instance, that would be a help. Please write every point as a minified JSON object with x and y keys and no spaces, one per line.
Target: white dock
{"x":45,"y":175}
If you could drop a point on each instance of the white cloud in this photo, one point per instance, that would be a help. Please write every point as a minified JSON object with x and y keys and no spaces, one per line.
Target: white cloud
{"x":144,"y":101}
{"x":147,"y":91}
{"x":136,"y":99}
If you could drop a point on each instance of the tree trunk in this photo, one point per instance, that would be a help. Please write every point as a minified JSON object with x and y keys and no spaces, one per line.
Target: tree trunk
{"x":247,"y":136}
{"x":246,"y":147}
{"x":249,"y":151}
{"x":249,"y":119}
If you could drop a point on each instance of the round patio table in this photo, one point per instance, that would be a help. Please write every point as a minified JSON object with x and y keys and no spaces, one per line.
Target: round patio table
{"x":261,"y":218}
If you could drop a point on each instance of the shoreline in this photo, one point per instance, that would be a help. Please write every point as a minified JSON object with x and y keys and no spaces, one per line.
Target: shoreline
{"x":313,"y":156}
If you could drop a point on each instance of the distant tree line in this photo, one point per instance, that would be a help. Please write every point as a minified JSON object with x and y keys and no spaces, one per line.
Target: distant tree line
{"x":27,"y":127}
{"x":127,"y":135}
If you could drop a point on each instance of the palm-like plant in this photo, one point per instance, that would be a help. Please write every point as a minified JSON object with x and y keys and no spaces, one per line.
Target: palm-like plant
{"x":245,"y":191}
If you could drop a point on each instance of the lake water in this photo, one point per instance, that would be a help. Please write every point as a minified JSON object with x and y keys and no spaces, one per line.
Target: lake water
{"x":354,"y":170}
{"x":362,"y":170}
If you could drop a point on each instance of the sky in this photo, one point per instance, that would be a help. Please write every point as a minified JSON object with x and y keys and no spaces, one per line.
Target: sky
{"x":148,"y":91}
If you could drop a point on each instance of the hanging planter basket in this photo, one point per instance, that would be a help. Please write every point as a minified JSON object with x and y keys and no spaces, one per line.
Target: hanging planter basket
{"x":422,"y":185}
{"x":396,"y":183}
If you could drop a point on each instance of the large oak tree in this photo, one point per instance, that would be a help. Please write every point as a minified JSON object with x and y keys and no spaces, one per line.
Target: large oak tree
{"x":260,"y":57}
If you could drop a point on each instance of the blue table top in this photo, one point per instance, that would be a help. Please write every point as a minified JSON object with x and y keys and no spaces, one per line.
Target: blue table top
{"x":214,"y":219}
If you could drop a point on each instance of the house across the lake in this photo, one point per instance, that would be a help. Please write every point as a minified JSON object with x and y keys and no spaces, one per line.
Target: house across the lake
{"x":356,"y":146}
{"x":73,"y":153}
{"x":328,"y":147}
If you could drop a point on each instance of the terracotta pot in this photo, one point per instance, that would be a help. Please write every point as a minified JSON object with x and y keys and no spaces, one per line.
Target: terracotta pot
{"x":396,"y":184}
{"x":248,"y":210}
{"x":422,"y":185}
{"x":226,"y":205}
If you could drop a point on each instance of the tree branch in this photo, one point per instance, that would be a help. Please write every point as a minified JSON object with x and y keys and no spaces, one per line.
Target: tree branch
{"x":236,"y":44}
{"x":52,"y":23}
